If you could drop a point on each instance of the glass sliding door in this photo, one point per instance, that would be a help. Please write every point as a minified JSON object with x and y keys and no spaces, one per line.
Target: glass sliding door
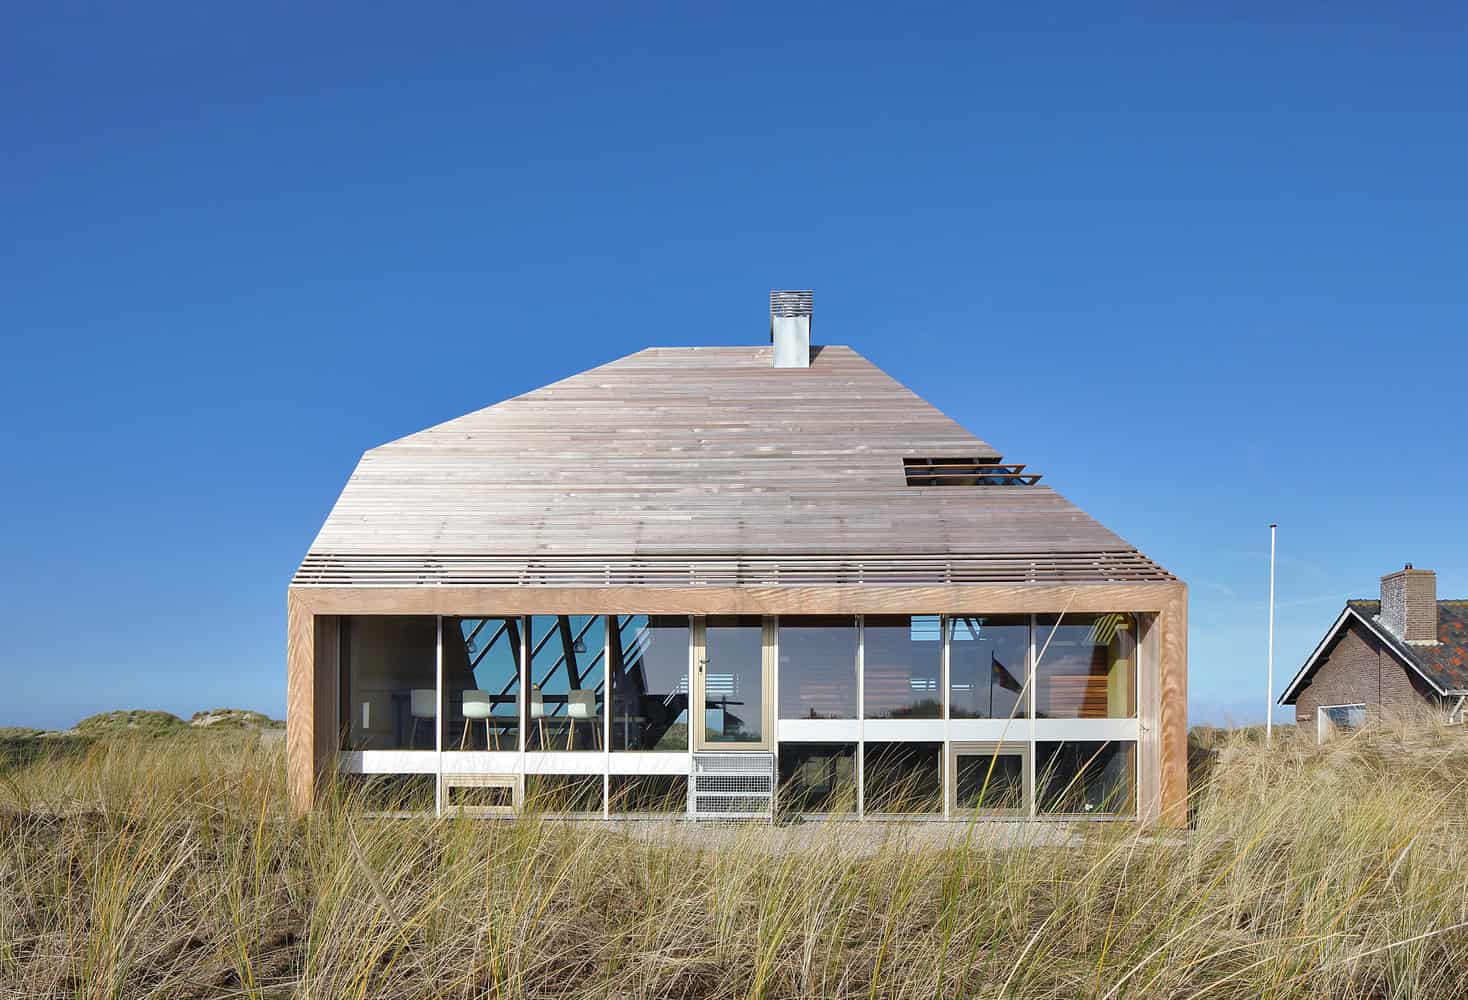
{"x":731,"y":682}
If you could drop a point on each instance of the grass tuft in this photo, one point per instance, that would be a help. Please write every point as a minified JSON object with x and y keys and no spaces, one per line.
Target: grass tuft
{"x":141,"y":867}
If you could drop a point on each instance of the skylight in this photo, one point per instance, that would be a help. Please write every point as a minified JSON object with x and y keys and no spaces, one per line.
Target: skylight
{"x":966,"y":472}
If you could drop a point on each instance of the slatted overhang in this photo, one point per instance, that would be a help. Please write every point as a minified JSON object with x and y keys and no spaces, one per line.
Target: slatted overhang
{"x":383,"y":570}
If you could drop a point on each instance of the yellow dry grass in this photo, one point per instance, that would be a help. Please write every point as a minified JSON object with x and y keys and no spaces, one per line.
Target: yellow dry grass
{"x":169,"y":869}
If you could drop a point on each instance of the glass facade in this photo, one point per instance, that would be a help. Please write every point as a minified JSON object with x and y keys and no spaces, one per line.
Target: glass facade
{"x":566,"y":697}
{"x":389,"y":682}
{"x":1086,"y":667}
{"x":632,"y":794}
{"x":563,"y":793}
{"x":597,"y":684}
{"x":817,"y":778}
{"x":988,"y":664}
{"x":817,"y":667}
{"x":903,"y":666}
{"x":481,"y":682}
{"x":991,"y":782}
{"x":733,"y":680}
{"x":649,"y":662}
{"x":904,"y":778}
{"x":1086,"y":778}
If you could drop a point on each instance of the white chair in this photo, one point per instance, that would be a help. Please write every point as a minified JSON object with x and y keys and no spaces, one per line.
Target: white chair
{"x":479,"y":706}
{"x":537,"y":712}
{"x":582,"y":705}
{"x":423,"y":707}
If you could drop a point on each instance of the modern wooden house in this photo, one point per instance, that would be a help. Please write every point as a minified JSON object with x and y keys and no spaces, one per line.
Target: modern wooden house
{"x":1404,"y":655}
{"x":732,"y":582}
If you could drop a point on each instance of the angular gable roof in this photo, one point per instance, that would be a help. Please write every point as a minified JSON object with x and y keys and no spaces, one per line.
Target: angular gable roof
{"x":696,"y":453}
{"x":1443,"y":665}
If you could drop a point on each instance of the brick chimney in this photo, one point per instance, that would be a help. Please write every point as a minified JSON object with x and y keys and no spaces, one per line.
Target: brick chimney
{"x":1409,"y":603}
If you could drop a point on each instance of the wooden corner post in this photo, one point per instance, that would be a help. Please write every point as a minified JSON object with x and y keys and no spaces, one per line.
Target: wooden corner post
{"x":1172,"y":647}
{"x":300,"y":709}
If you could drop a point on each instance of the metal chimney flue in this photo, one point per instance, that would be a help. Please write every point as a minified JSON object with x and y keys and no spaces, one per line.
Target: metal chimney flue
{"x":790,"y":313}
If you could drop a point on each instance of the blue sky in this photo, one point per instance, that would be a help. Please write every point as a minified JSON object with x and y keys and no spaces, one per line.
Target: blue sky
{"x":1204,"y":270}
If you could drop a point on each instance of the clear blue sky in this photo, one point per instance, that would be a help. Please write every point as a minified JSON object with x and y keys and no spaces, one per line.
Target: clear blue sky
{"x":1203,"y":270}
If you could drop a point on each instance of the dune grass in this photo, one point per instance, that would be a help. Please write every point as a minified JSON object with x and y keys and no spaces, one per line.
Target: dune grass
{"x":150,"y":868}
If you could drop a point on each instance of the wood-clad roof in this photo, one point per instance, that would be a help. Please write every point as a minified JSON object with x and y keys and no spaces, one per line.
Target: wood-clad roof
{"x":696,"y":453}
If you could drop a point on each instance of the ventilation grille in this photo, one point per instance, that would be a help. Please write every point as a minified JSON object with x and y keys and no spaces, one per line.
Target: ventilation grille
{"x":966,"y":472}
{"x":792,"y":303}
{"x":732,"y":786}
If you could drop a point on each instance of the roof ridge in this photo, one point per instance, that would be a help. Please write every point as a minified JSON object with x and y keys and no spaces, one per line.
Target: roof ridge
{"x":1377,"y":600}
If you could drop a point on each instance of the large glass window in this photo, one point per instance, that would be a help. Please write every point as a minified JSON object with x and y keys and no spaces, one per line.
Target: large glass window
{"x":566,"y":696}
{"x":648,"y":793}
{"x":388,"y":793}
{"x":902,"y":667}
{"x":903,"y":777}
{"x":1086,"y":667}
{"x":650,"y":682}
{"x":389,"y":682}
{"x":733,"y":679}
{"x":817,"y":777}
{"x":1086,"y":778}
{"x":987,"y":665}
{"x":481,"y":683}
{"x":990,"y":779}
{"x":1330,"y":719}
{"x":817,"y":667}
{"x":579,"y":794}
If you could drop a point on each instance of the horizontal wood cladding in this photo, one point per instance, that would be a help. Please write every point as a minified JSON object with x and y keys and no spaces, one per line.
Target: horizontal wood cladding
{"x":990,"y":598}
{"x":696,"y":451}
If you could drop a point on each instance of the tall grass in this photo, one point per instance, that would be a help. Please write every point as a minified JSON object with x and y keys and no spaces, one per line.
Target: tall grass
{"x":169,"y":869}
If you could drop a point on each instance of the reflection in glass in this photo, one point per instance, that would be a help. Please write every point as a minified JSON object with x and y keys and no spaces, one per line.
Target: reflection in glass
{"x":1086,"y":667}
{"x":733,"y":680}
{"x":566,"y":698}
{"x":903,"y":777}
{"x":817,"y":667}
{"x":648,"y":793}
{"x":990,"y":782}
{"x":388,"y":793}
{"x":650,"y":682}
{"x":817,"y":778}
{"x":987,"y":657}
{"x":563,"y":793}
{"x":1086,"y":778}
{"x":903,"y":664}
{"x":481,"y":683}
{"x":388,"y":682}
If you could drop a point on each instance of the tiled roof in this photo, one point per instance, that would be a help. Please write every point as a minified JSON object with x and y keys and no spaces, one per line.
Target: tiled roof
{"x":1446,"y":663}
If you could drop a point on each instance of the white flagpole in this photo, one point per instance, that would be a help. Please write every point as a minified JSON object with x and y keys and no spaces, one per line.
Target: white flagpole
{"x":1269,"y":699}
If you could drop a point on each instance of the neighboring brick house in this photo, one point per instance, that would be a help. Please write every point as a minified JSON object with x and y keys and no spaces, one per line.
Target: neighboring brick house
{"x":1395,"y":657}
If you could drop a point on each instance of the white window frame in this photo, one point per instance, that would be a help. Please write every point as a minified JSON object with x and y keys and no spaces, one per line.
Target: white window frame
{"x":1322,"y":719}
